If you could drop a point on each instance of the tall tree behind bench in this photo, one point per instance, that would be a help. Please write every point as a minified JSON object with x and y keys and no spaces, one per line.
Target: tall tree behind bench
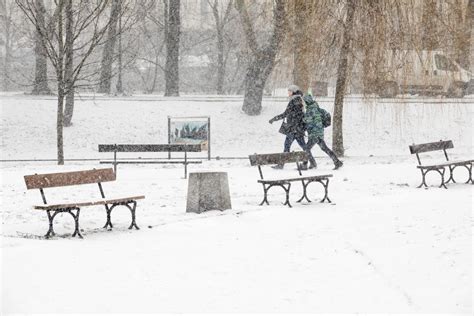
{"x":342,"y":79}
{"x":172,"y":36}
{"x":82,"y":36}
{"x":262,"y":58}
{"x":41,"y":60}
{"x":108,"y":53}
{"x":221,"y":19}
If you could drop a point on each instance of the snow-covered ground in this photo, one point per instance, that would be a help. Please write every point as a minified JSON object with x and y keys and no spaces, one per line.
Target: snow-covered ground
{"x":382,"y":246}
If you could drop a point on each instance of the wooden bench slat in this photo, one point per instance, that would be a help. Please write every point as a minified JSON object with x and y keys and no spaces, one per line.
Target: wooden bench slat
{"x":60,"y":179}
{"x":317,"y":177}
{"x":279,"y":158}
{"x":91,"y":203}
{"x":150,"y":147}
{"x":118,"y":162}
{"x":420,"y":148}
{"x":448,"y":163}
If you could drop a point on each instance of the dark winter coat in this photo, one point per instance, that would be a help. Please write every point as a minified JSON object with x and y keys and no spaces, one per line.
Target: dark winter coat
{"x":294,"y":116}
{"x":314,"y":120}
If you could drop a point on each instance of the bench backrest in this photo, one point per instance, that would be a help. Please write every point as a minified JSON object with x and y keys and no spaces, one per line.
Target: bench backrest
{"x":421,"y":148}
{"x":49,"y":180}
{"x":279,"y":158}
{"x":427,"y":147}
{"x":150,"y":148}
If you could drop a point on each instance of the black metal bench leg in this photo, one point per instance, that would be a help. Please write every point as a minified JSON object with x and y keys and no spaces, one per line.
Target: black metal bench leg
{"x":469,"y":168}
{"x":77,"y":232}
{"x":423,"y":178}
{"x":287,"y":191}
{"x":441,"y":172}
{"x":265,"y":198}
{"x":132,"y":209}
{"x":305,"y":196}
{"x":108,"y":223}
{"x":326,"y":190}
{"x":451,"y":174}
{"x":50,"y":229}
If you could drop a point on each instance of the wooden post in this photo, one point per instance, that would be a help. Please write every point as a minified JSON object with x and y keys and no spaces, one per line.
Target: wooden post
{"x":169,"y":135}
{"x":115,"y":159}
{"x":185,"y":162}
{"x":209,"y":138}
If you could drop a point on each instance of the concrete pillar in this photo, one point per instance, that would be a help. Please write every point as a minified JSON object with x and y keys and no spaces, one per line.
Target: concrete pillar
{"x":208,"y":191}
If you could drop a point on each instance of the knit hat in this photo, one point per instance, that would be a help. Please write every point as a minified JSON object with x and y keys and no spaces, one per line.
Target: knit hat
{"x":308,"y":99}
{"x":293,"y":88}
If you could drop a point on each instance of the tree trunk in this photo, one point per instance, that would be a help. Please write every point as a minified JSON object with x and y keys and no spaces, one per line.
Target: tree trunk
{"x":172,"y":49}
{"x":6,"y":59}
{"x":341,"y":83}
{"x":220,"y":20}
{"x":257,"y":74}
{"x":220,"y":62}
{"x":68,"y":68}
{"x":41,"y":65}
{"x":59,"y":125}
{"x":119,"y":86}
{"x":430,"y":23}
{"x":108,"y":53}
{"x":302,"y":44}
{"x":61,"y":84}
{"x":471,"y":36}
{"x":466,"y":37}
{"x":263,"y":60}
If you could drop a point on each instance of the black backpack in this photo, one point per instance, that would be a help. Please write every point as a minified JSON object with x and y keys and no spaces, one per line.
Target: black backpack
{"x":325,"y":117}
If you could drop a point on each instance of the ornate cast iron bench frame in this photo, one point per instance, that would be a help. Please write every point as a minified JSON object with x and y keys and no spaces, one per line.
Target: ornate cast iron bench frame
{"x":42,"y":181}
{"x":285,"y":183}
{"x":441,"y":167}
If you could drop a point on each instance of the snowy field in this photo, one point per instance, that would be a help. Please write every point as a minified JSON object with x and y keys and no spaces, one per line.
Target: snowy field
{"x":382,"y":246}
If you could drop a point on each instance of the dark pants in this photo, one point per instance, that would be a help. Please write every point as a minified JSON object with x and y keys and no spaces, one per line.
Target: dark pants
{"x":322,"y":144}
{"x":290,"y":138}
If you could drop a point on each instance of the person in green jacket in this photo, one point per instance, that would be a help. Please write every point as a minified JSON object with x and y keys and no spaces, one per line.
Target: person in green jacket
{"x":314,"y":125}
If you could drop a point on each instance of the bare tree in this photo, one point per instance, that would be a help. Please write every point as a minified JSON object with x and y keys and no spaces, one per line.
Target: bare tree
{"x":108,"y":53}
{"x":41,"y":60}
{"x":342,"y":78}
{"x":465,"y":39}
{"x":6,"y":15}
{"x":262,"y":57}
{"x":59,"y":46}
{"x":119,"y":85}
{"x":221,"y":20}
{"x":13,"y":33}
{"x":430,"y":38}
{"x":172,"y":37}
{"x":302,"y":13}
{"x":153,"y":29}
{"x":68,"y":63}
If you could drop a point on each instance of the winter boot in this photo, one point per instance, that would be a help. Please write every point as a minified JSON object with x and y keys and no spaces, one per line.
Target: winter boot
{"x":338,"y":165}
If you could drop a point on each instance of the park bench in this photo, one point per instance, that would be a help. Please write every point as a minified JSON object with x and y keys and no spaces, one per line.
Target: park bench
{"x":285,"y":183}
{"x":440,"y":167}
{"x":143,"y":148}
{"x":50,"y":180}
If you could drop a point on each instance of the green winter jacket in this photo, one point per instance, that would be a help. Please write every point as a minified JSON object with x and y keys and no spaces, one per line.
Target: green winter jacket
{"x":313,"y":120}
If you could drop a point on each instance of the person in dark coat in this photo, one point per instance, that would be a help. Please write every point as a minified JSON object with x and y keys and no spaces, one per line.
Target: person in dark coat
{"x":294,"y":128}
{"x":315,"y":128}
